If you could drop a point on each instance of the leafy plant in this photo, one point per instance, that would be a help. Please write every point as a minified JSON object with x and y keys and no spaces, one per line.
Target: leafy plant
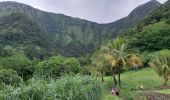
{"x":161,"y":64}
{"x":58,"y":66}
{"x":19,"y":63}
{"x":9,"y":77}
{"x":117,"y":48}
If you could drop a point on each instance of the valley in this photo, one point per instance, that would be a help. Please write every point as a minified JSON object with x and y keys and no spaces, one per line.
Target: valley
{"x":49,"y":56}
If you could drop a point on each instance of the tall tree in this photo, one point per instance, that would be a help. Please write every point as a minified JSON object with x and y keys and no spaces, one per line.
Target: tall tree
{"x":100,"y":64}
{"x":119,"y":51}
{"x":112,"y":63}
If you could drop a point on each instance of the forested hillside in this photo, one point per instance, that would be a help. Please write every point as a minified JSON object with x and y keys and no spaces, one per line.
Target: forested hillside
{"x":153,"y":33}
{"x":73,"y":36}
{"x":135,"y":17}
{"x":18,"y":33}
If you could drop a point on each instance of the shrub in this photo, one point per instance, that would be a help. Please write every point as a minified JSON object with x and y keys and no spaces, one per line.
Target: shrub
{"x":146,"y":56}
{"x":65,"y":88}
{"x":85,"y":70}
{"x":168,"y":21}
{"x":9,"y":77}
{"x":20,"y":63}
{"x":73,"y":63}
{"x":57,"y":66}
{"x":52,"y":67}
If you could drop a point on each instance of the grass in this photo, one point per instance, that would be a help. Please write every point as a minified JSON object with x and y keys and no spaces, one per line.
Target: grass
{"x":86,"y":87}
{"x":65,"y":88}
{"x":132,"y":82}
{"x":109,"y":96}
{"x":165,"y":91}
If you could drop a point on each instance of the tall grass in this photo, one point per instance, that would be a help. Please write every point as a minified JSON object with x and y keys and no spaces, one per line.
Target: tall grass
{"x":65,"y":88}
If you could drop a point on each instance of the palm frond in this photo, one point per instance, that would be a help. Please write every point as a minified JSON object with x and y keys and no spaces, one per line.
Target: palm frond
{"x":156,"y":68}
{"x":135,"y":61}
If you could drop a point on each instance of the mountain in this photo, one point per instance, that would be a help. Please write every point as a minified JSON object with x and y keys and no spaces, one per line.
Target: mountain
{"x":153,"y":33}
{"x":74,"y":36}
{"x":162,"y":12}
{"x":134,"y":17}
{"x":18,"y":32}
{"x":17,"y":28}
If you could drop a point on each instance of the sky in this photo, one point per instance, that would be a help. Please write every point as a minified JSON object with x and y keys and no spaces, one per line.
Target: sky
{"x":101,"y":11}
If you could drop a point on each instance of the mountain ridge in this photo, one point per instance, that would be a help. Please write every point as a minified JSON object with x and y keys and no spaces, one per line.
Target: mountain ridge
{"x":73,"y":35}
{"x":134,"y":17}
{"x":153,"y":33}
{"x":18,"y":3}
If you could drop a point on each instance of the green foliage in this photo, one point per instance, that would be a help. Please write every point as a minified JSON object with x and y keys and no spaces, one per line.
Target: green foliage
{"x":146,"y":57}
{"x":85,"y":70}
{"x":20,"y":63}
{"x":17,"y":28}
{"x":69,"y":87}
{"x":161,"y":64}
{"x":57,"y":66}
{"x":152,"y":38}
{"x":153,"y":33}
{"x":9,"y":77}
{"x":18,"y":32}
{"x":161,"y":13}
{"x":85,"y":60}
{"x":6,"y":50}
{"x":36,"y":52}
{"x":73,"y":63}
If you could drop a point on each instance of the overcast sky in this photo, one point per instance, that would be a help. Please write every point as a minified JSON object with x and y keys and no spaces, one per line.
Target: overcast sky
{"x":101,"y":11}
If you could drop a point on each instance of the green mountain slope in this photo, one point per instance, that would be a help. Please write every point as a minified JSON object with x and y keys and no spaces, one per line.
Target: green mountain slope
{"x":19,"y":32}
{"x":153,"y":33}
{"x":67,"y":32}
{"x":73,"y":36}
{"x":134,"y":17}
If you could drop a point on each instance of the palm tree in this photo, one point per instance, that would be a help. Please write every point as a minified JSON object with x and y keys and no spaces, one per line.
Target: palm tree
{"x":112,"y":63}
{"x":161,"y":64}
{"x":99,"y":62}
{"x":119,"y":51}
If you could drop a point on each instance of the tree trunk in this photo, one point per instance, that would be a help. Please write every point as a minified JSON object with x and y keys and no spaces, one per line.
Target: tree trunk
{"x":113,"y":75}
{"x":119,"y":82}
{"x":114,"y":78}
{"x":165,"y":78}
{"x":102,"y":76}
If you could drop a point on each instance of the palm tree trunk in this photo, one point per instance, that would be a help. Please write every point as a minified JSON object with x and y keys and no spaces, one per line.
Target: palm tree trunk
{"x":114,"y":78}
{"x":119,"y":82}
{"x":165,"y":78}
{"x":102,"y":76}
{"x":113,"y":75}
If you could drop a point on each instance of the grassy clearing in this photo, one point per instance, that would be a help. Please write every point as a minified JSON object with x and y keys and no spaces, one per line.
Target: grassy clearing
{"x":133,"y":81}
{"x":165,"y":91}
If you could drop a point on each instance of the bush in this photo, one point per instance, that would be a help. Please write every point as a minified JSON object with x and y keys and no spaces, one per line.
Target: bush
{"x":65,"y":88}
{"x":85,"y":70}
{"x":52,"y":67}
{"x":73,"y":63}
{"x":146,"y":56}
{"x":9,"y":77}
{"x":20,"y":63}
{"x":57,"y":66}
{"x":168,"y":21}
